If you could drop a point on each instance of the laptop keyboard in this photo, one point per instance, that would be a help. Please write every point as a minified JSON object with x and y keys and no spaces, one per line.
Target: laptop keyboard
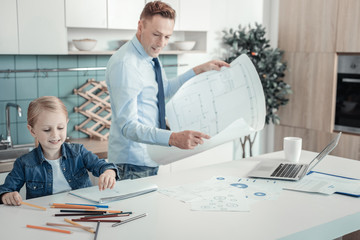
{"x":287,"y":170}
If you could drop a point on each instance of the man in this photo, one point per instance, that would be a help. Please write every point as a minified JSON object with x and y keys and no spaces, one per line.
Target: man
{"x":137,"y":86}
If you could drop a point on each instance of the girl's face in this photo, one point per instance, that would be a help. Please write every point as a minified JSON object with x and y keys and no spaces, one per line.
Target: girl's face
{"x":50,"y":130}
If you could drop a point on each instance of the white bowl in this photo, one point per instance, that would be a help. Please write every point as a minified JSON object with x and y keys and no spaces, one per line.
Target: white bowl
{"x":185,"y":45}
{"x":84,"y":44}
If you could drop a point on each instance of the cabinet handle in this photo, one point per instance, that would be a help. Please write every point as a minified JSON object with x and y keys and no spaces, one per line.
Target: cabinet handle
{"x":351,"y":80}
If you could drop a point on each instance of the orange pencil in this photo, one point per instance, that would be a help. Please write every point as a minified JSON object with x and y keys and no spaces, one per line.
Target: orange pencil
{"x":49,"y":229}
{"x":33,"y":205}
{"x":58,"y":205}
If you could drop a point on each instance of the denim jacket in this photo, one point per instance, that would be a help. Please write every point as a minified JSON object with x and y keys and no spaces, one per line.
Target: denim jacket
{"x":36,"y":172}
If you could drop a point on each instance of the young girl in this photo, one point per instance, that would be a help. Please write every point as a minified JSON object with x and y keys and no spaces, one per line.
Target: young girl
{"x":54,"y":166}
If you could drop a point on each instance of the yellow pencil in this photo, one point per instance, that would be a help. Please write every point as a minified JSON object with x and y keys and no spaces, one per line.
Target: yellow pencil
{"x":33,"y":205}
{"x":77,"y":224}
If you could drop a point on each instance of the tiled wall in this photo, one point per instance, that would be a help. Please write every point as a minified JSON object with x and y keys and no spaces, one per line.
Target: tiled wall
{"x":22,"y":88}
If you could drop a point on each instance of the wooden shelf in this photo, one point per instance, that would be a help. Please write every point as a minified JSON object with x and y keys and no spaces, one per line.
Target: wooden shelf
{"x":169,"y":52}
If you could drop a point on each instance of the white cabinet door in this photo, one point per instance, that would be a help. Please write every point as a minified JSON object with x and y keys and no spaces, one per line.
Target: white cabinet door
{"x":124,"y":14}
{"x":8,"y":27}
{"x":86,"y":13}
{"x":194,"y":15}
{"x":175,"y":4}
{"x":42,"y":27}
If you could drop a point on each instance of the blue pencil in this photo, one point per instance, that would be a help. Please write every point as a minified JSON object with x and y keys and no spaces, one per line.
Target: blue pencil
{"x":99,"y":206}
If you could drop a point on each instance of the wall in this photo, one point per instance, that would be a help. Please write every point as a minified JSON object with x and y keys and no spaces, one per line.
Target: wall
{"x":22,"y":88}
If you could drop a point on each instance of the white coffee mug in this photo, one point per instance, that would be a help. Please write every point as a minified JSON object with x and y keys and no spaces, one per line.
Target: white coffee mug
{"x":292,"y":148}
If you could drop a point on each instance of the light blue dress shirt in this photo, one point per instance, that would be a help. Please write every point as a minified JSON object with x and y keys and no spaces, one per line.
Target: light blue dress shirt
{"x":131,"y":81}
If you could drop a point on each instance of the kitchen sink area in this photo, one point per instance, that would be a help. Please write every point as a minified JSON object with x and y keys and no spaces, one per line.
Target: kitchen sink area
{"x":9,"y":155}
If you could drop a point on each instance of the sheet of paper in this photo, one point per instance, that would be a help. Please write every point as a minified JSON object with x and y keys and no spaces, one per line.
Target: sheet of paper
{"x":225,"y":193}
{"x":224,"y":104}
{"x":341,"y":184}
{"x":309,"y":184}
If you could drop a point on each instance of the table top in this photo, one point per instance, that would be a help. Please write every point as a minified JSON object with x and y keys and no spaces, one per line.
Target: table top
{"x":294,"y":215}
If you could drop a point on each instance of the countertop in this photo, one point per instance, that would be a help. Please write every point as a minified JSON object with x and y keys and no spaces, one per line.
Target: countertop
{"x":98,"y":147}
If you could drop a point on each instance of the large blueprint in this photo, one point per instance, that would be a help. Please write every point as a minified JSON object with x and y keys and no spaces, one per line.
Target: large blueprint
{"x":224,"y":104}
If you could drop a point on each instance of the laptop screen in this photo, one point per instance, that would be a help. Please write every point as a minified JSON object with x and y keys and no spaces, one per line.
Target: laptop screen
{"x":324,"y":152}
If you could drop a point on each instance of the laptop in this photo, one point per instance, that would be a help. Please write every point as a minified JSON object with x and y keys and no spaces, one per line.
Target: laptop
{"x":291,"y":171}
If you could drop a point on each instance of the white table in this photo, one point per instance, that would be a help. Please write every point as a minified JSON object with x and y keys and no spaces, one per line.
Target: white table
{"x":294,"y":215}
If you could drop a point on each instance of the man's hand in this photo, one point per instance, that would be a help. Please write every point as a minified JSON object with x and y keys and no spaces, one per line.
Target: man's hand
{"x":107,"y":179}
{"x":187,"y":139}
{"x":208,"y":66}
{"x":11,"y":198}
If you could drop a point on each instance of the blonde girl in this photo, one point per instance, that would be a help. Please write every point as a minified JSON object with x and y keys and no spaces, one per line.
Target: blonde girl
{"x":53,"y":166}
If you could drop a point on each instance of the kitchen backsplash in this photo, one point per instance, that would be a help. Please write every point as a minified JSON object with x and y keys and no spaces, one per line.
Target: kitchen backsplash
{"x":22,"y":88}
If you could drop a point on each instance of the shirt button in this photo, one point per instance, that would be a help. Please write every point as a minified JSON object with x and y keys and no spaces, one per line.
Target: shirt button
{"x":69,"y":180}
{"x":34,"y":187}
{"x":64,"y":169}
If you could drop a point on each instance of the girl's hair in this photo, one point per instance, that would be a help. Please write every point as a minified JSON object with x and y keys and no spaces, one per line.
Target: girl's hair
{"x":158,"y":8}
{"x":46,"y":103}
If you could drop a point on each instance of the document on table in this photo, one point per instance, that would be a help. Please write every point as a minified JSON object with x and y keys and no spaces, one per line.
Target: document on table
{"x":343,"y":185}
{"x":326,"y":184}
{"x":225,"y":194}
{"x":225,"y":104}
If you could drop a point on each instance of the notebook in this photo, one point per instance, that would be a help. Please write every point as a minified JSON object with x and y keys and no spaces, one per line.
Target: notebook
{"x":122,"y":190}
{"x":291,"y":171}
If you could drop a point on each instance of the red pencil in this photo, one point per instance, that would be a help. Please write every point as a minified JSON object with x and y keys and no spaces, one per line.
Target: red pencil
{"x":105,"y":216}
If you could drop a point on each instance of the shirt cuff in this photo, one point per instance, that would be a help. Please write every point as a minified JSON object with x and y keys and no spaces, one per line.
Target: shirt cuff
{"x":186,"y":76}
{"x":163,"y":137}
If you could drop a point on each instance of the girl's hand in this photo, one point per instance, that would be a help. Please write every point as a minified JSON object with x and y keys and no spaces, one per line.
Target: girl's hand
{"x":11,"y":198}
{"x":107,"y":179}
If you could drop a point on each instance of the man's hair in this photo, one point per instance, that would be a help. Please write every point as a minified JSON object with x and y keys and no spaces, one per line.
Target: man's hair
{"x":158,"y":8}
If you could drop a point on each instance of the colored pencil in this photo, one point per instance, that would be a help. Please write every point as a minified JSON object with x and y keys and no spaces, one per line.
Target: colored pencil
{"x":129,"y":219}
{"x":91,"y":211}
{"x":105,"y":216}
{"x":97,"y":230}
{"x":33,"y":205}
{"x":95,"y":220}
{"x":98,"y":206}
{"x":56,"y":205}
{"x":82,"y":211}
{"x":48,"y":229}
{"x":67,"y":225}
{"x":74,"y":214}
{"x":77,"y":224}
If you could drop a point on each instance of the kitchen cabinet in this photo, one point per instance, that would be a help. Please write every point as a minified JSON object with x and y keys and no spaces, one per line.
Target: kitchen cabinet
{"x":307,"y":25}
{"x":103,"y":14}
{"x":86,"y":13}
{"x":348,"y":34}
{"x":312,"y":77}
{"x":194,"y":15}
{"x":41,"y":27}
{"x":124,"y":14}
{"x":191,"y":15}
{"x":8,"y":32}
{"x":32,"y":27}
{"x":311,"y":32}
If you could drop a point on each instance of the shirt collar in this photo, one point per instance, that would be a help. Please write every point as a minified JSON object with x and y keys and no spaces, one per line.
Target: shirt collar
{"x":41,"y":154}
{"x":136,"y":43}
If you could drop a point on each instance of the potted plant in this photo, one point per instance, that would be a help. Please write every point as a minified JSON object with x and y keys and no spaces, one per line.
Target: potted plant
{"x":268,"y":63}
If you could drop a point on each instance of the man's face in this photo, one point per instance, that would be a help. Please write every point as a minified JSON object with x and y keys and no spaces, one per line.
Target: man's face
{"x":154,"y":34}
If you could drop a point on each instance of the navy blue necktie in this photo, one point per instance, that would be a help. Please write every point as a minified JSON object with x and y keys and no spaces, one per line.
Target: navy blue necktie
{"x":160,"y":95}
